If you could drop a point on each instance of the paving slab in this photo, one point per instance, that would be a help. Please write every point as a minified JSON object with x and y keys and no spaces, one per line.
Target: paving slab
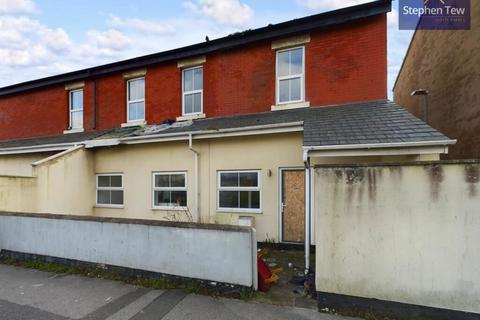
{"x":27,"y":294}
{"x":195,"y":307}
{"x":69,"y":296}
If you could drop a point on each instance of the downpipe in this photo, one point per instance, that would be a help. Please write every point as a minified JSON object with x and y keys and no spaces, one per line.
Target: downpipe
{"x":196,"y":197}
{"x":307,"y":212}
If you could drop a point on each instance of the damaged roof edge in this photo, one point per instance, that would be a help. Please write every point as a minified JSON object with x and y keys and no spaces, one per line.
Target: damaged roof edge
{"x":288,"y":28}
{"x":201,"y":134}
{"x":213,"y":133}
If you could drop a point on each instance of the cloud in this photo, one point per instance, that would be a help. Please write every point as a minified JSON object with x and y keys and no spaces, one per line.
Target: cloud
{"x":24,"y":41}
{"x":139,"y":25}
{"x":326,"y":5}
{"x":110,"y":39}
{"x":101,"y":47}
{"x":17,"y":6}
{"x":227,"y":12}
{"x":56,"y":39}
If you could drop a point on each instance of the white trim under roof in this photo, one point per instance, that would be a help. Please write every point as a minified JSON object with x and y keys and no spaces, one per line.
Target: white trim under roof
{"x":378,"y":149}
{"x":39,"y":148}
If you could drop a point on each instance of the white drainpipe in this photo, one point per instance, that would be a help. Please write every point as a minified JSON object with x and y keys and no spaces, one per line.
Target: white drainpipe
{"x":196,"y":154}
{"x":307,"y":211}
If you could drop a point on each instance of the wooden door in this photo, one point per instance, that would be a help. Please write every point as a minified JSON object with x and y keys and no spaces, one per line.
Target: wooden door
{"x":293,"y":205}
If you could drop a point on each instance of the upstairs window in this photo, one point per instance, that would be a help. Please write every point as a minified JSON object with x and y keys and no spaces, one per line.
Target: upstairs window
{"x":110,"y":190}
{"x":169,"y":190}
{"x":136,"y":100}
{"x":76,"y":109}
{"x":290,"y":75}
{"x":239,"y":191}
{"x":192,"y":86}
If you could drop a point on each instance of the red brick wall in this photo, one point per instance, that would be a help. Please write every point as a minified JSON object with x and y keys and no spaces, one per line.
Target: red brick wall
{"x":35,"y":113}
{"x":343,"y":64}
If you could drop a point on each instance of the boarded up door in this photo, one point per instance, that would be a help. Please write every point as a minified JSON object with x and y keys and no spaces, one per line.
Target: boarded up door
{"x":293,"y":205}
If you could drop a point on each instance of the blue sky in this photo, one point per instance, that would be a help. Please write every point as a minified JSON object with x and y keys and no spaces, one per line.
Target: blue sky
{"x":39,"y":38}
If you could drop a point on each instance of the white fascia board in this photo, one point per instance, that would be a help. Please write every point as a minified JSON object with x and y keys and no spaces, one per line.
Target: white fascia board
{"x":39,"y":148}
{"x":379,"y":151}
{"x":381,"y":145}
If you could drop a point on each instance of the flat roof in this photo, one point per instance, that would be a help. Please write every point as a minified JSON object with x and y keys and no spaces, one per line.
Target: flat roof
{"x":289,"y":28}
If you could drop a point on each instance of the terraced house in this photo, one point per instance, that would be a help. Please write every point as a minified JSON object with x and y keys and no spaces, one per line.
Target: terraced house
{"x":224,"y":131}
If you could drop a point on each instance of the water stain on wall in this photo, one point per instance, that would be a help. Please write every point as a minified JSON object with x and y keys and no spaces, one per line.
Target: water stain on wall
{"x":353,"y":177}
{"x":472,"y":175}
{"x":436,"y":176}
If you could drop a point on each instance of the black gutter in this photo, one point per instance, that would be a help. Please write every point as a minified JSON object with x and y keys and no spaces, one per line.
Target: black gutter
{"x":289,"y":28}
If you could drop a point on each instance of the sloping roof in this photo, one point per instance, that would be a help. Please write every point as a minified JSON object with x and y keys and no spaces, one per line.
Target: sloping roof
{"x":365,"y":123}
{"x":289,"y":28}
{"x":349,"y":124}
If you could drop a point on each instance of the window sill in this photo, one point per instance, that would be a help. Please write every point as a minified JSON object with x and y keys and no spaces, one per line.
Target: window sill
{"x":169,"y":209}
{"x":240,"y":211}
{"x":192,"y":117}
{"x":108,"y":207}
{"x":73,"y":131}
{"x":287,"y":106}
{"x":134,"y":123}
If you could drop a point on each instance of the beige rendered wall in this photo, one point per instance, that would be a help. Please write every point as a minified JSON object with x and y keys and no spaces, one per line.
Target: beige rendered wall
{"x":20,"y":165}
{"x":18,"y":194}
{"x":405,"y":233}
{"x":65,"y":185}
{"x":267,"y":153}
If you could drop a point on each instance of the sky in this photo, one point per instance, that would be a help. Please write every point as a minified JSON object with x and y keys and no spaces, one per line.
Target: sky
{"x":39,"y":38}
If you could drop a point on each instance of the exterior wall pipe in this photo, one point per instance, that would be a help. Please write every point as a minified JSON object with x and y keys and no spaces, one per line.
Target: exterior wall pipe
{"x":196,"y":197}
{"x":307,"y":214}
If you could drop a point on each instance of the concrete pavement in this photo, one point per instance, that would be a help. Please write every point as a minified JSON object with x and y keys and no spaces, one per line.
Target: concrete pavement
{"x":27,"y":294}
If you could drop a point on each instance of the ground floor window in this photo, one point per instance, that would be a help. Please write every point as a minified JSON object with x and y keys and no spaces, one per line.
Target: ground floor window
{"x":239,"y":191}
{"x":110,"y":190}
{"x":169,"y":190}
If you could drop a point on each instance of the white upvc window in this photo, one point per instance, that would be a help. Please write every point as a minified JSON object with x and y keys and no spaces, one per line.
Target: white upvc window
{"x":136,"y":100}
{"x":76,"y":109}
{"x":239,"y":191}
{"x":169,"y":190}
{"x":192,"y":90}
{"x":110,"y":190}
{"x":290,"y":74}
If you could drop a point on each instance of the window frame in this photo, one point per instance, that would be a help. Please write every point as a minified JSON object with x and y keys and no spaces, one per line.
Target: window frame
{"x":301,"y":76}
{"x":135,"y":101}
{"x":184,"y":93}
{"x":71,"y":111}
{"x":97,"y":188}
{"x":257,"y":188}
{"x":154,"y":188}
